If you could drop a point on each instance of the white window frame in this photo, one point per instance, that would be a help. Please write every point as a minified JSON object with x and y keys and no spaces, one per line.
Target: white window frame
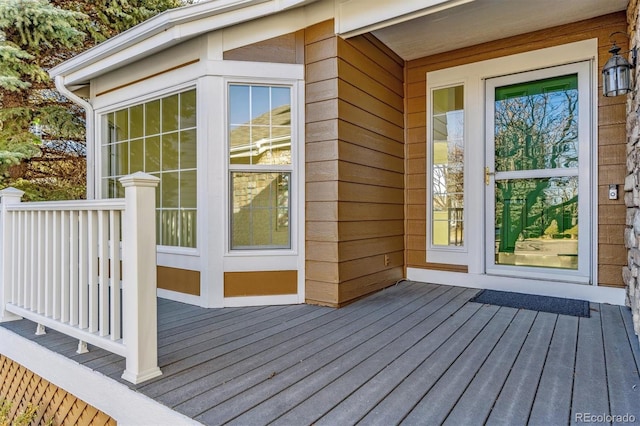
{"x":264,"y":168}
{"x":455,"y":255}
{"x":140,"y":100}
{"x":276,"y":258}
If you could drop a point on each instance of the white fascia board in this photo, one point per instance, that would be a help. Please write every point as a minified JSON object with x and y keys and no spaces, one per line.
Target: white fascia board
{"x":355,"y":17}
{"x":165,"y":30}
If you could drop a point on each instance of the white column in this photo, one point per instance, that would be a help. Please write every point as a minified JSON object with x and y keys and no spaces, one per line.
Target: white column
{"x":139,"y":302}
{"x":7,"y":196}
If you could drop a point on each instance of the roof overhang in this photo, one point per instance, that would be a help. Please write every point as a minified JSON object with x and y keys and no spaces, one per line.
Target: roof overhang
{"x":163,"y":31}
{"x":451,"y":25}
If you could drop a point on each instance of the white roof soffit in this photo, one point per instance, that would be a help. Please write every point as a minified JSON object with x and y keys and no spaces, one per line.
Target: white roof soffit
{"x":164,"y":30}
{"x":355,"y":17}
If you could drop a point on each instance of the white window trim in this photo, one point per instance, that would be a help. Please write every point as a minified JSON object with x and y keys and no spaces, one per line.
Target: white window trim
{"x":473,"y":75}
{"x":294,"y":168}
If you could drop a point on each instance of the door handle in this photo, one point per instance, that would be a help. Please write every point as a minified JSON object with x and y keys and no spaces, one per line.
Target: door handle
{"x":487,"y":173}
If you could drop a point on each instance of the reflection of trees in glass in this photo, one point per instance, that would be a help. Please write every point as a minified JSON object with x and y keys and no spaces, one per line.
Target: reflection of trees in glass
{"x":448,"y":174}
{"x":536,"y":128}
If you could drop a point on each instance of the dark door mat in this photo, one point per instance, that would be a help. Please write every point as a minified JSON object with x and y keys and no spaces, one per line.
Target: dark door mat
{"x":554,"y":305}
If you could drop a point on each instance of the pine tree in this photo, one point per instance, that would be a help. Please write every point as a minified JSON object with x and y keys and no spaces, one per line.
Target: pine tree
{"x":42,"y":133}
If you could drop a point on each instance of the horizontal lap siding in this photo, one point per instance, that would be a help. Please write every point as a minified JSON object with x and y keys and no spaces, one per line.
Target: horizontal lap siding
{"x":355,"y":166}
{"x":611,"y":137}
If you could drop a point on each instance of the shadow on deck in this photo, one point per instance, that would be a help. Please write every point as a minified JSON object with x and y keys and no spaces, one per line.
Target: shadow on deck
{"x":414,"y":353}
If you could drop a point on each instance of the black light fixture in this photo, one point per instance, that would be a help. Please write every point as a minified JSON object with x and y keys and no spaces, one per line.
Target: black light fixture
{"x":616,"y":74}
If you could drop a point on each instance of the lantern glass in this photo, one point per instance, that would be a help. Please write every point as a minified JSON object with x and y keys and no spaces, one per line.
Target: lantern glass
{"x":616,"y":76}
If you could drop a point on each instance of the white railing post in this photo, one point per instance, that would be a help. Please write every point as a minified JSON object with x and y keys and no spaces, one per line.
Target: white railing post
{"x":139,"y":277}
{"x":7,"y":196}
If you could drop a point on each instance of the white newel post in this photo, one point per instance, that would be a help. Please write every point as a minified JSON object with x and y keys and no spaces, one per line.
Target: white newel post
{"x":139,"y":277}
{"x":7,"y":196}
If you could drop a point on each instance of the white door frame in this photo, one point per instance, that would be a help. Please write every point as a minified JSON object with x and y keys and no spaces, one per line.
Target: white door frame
{"x":582,"y":274}
{"x":474,"y":75}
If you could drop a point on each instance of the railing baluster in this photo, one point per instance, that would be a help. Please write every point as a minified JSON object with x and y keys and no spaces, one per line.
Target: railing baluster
{"x":83,"y":284}
{"x":74,"y":268}
{"x":40,"y":264}
{"x":93,"y":271}
{"x":29,"y":264}
{"x":54,"y":266}
{"x":33,"y":264}
{"x":103,"y":277}
{"x":15,"y":258}
{"x":114,"y":255}
{"x":46,"y":234}
{"x":65,"y":261}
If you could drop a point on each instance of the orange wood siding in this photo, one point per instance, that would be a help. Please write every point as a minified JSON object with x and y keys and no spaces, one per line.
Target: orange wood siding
{"x":180,"y":280}
{"x":354,"y":164}
{"x":611,"y":137}
{"x":260,"y":283}
{"x":286,"y":49}
{"x":21,"y":387}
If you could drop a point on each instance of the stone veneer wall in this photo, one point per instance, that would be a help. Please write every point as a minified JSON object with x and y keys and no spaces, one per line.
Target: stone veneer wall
{"x":632,"y":182}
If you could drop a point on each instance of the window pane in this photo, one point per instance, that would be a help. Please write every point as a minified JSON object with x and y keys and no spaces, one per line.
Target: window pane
{"x":152,"y":154}
{"x":122,"y":158}
{"x":170,"y":114}
{"x":170,"y":151}
{"x":122,"y":125}
{"x":109,"y":128}
{"x":260,"y":210}
{"x":136,"y":121}
{"x":188,"y":228}
{"x":447,"y":167}
{"x":240,"y":144}
{"x":238,"y":105}
{"x":188,"y":109}
{"x":188,"y":149}
{"x":188,"y":194}
{"x":536,"y":124}
{"x":152,"y":118}
{"x":136,"y":158}
{"x":537,"y":222}
{"x":170,"y":189}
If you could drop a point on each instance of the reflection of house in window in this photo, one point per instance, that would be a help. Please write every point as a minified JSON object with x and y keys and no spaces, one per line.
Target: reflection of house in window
{"x":260,"y":166}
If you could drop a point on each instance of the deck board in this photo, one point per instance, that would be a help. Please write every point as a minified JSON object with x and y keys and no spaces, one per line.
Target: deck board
{"x":475,"y":404}
{"x":622,"y":373}
{"x":344,"y":342}
{"x":590,"y":392}
{"x":514,"y":403}
{"x":414,"y":353}
{"x":553,"y":398}
{"x":397,"y":404}
{"x":341,"y":389}
{"x":379,"y":351}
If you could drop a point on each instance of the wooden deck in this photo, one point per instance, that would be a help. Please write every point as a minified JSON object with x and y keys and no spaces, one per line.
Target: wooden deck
{"x":413,"y":354}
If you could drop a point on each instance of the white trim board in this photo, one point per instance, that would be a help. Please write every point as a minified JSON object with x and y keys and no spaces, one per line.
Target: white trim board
{"x":125,"y":405}
{"x":591,"y":293}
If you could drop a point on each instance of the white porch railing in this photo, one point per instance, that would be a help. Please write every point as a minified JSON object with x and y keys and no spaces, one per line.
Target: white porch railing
{"x":86,"y":269}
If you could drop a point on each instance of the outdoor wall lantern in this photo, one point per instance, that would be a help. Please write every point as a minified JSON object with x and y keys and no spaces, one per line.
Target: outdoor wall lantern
{"x":616,"y":74}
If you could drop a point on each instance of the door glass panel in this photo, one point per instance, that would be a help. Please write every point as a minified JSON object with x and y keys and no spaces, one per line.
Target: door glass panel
{"x":536,"y":124}
{"x":447,"y":166}
{"x":536,"y":164}
{"x":536,"y":222}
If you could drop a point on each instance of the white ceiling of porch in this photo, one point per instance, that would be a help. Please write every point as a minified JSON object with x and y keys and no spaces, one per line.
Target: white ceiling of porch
{"x":485,"y":20}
